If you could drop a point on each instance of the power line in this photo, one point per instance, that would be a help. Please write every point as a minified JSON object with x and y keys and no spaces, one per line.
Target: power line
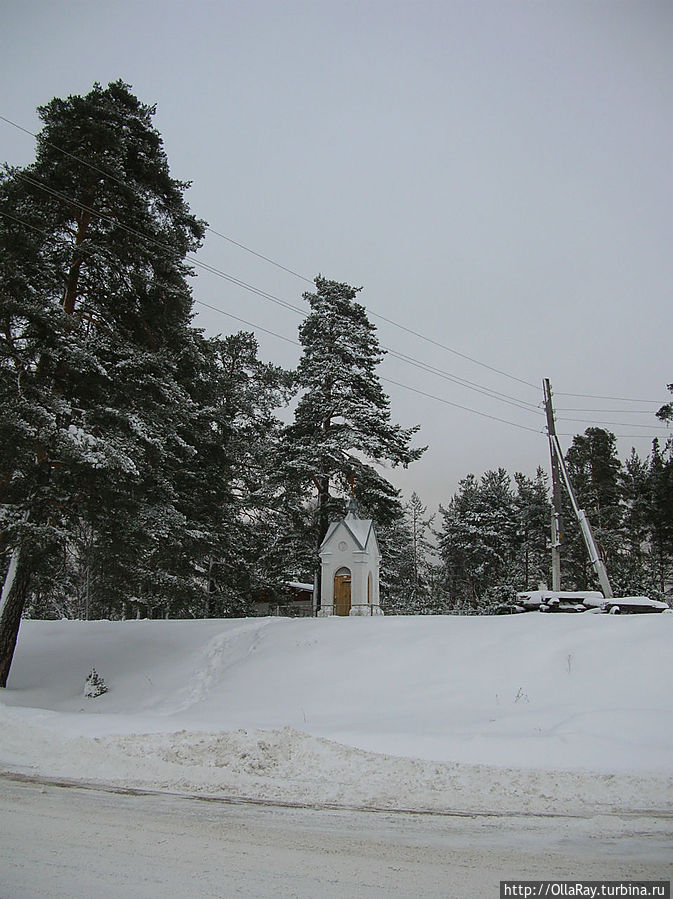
{"x":440,"y":399}
{"x":259,"y":255}
{"x":288,"y":270}
{"x":621,"y":436}
{"x":271,"y":297}
{"x":198,"y":302}
{"x":470,"y":385}
{"x":616,"y":424}
{"x":381,"y":377}
{"x":618,"y":399}
{"x":295,"y":343}
{"x":125,"y":185}
{"x":249,"y":324}
{"x":22,"y":222}
{"x":612,"y":411}
{"x":277,"y":300}
{"x":152,"y":240}
{"x":282,"y":337}
{"x":450,"y":350}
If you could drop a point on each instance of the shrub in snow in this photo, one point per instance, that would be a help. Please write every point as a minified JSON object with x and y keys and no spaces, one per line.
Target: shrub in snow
{"x":498,"y":599}
{"x":94,"y":685}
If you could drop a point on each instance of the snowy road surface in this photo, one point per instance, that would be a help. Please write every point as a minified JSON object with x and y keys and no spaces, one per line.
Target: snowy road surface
{"x":73,"y":842}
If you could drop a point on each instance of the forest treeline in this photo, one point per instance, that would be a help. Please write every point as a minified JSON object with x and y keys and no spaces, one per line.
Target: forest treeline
{"x":144,"y":469}
{"x":493,"y":538}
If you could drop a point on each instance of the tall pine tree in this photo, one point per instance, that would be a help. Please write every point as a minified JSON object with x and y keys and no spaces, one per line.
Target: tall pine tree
{"x":477,"y":542}
{"x":407,"y":571}
{"x":595,"y":472}
{"x":342,"y":425}
{"x":661,"y":514}
{"x":533,"y":549}
{"x":95,"y":309}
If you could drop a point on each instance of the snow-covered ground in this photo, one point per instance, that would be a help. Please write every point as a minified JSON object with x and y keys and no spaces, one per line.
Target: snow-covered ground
{"x":546,"y":714}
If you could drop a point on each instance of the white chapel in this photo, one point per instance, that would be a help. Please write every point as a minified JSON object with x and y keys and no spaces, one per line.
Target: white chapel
{"x":350,"y":558}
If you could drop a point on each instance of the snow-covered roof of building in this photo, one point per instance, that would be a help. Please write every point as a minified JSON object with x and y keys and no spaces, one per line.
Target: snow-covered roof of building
{"x":297,"y":585}
{"x":359,"y":528}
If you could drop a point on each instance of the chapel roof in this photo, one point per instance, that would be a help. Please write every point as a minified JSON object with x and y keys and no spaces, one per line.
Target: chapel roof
{"x":359,"y":528}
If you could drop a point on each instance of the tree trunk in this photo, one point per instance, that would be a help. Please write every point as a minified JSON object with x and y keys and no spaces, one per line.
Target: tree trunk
{"x":17,"y":580}
{"x":14,"y":593}
{"x":322,"y":485}
{"x":415,"y":550}
{"x":72,"y":284}
{"x":323,"y":511}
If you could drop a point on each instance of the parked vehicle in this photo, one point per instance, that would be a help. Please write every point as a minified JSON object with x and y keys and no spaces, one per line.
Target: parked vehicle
{"x":633,"y":605}
{"x":586,"y":601}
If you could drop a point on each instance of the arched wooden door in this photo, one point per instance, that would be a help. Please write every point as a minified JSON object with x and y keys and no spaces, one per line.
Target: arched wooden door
{"x":342,"y":592}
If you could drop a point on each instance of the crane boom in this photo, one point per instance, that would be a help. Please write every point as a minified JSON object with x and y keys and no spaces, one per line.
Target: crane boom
{"x":558,"y":464}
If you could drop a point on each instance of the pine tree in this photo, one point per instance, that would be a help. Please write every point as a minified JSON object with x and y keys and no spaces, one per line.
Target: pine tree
{"x":595,"y":469}
{"x":477,"y":541}
{"x":342,"y":425}
{"x":422,"y":550}
{"x":244,"y":548}
{"x":95,"y":319}
{"x":94,"y":685}
{"x":407,"y":571}
{"x":595,"y":472}
{"x":459,"y":540}
{"x":637,"y":525}
{"x":661,"y":514}
{"x":397,"y":567}
{"x":661,"y":505}
{"x":532,"y":510}
{"x":666,"y":411}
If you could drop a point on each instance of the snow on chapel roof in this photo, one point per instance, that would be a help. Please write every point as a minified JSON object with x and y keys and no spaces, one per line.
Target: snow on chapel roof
{"x":359,"y":528}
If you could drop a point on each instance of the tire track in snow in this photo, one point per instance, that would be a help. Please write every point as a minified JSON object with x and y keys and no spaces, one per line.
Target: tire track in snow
{"x":115,"y":789}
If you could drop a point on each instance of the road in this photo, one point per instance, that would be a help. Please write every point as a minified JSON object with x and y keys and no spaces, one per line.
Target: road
{"x":77,"y":842}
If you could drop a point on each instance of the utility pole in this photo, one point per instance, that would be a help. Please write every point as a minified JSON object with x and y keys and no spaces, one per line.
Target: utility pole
{"x":556,"y":529}
{"x":585,"y":527}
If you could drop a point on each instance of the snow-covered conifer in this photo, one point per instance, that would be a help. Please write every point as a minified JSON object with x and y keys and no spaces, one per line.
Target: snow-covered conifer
{"x":94,"y":685}
{"x":96,"y":310}
{"x":342,"y":425}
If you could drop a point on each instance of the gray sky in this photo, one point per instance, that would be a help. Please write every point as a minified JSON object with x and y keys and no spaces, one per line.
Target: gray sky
{"x":497,"y":175}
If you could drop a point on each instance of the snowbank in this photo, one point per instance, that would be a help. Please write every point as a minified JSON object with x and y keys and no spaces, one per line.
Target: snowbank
{"x":553,"y":714}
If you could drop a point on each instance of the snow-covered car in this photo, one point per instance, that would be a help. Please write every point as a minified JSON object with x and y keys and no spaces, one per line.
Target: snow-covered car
{"x":633,"y":605}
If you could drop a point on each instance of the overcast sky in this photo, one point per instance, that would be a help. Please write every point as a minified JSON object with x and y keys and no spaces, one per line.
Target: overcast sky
{"x":496,"y":175}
